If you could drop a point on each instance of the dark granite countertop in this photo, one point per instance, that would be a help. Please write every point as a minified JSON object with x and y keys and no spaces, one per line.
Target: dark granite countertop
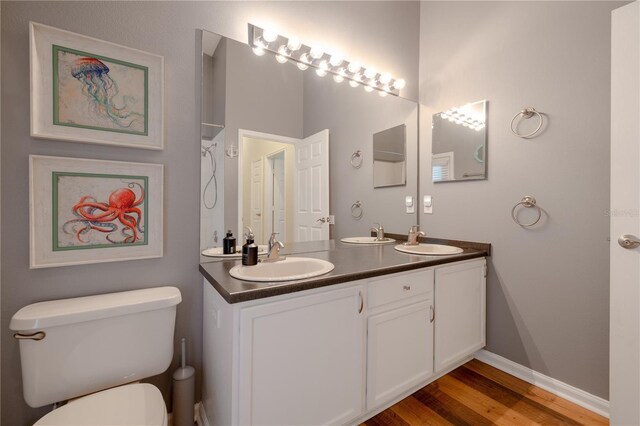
{"x":352,"y":262}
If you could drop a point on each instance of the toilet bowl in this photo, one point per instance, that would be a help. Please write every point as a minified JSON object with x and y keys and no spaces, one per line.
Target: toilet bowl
{"x":92,"y":351}
{"x":138,"y":404}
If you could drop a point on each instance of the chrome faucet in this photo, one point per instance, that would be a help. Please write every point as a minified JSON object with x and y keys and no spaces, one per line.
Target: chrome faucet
{"x":414,"y":233}
{"x":273,"y":255}
{"x":379,"y":230}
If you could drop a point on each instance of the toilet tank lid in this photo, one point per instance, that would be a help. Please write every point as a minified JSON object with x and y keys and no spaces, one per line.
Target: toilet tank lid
{"x":69,"y":311}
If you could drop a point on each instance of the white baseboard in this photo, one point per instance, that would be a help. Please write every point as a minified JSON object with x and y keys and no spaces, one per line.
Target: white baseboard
{"x":577,"y":396}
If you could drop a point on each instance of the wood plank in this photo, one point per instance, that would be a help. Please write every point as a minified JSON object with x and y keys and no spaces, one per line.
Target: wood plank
{"x":418,"y":414}
{"x":496,"y":412}
{"x":538,"y":413}
{"x":478,"y":394}
{"x":562,"y":406}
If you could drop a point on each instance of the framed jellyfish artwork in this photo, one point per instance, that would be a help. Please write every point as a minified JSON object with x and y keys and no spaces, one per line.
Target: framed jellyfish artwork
{"x":93,"y":91}
{"x":92,"y":211}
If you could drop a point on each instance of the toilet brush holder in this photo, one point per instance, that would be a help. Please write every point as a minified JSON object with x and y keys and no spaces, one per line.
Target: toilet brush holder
{"x":183,"y":392}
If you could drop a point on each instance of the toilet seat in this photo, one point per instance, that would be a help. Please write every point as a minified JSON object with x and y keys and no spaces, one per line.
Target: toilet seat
{"x":131,"y":405}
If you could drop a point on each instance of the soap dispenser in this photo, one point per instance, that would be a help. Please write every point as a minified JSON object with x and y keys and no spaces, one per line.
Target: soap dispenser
{"x":249,"y":250}
{"x":229,"y":243}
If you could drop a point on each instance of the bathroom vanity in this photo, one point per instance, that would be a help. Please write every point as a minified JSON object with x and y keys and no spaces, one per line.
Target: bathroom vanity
{"x":338,"y":348}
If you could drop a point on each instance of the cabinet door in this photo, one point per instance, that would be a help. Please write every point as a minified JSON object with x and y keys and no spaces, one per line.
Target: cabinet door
{"x":302,"y":360}
{"x":460,"y":311}
{"x":399,"y":351}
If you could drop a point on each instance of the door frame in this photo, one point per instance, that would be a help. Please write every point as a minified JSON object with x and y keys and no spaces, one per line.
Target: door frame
{"x":244,"y":133}
{"x":268,"y":188}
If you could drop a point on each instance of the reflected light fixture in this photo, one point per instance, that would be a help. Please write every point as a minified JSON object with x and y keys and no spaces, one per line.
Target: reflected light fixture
{"x":466,"y":116}
{"x":291,"y":49}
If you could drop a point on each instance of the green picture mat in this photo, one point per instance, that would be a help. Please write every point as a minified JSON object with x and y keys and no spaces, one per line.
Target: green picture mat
{"x":54,"y":225}
{"x":56,"y":121}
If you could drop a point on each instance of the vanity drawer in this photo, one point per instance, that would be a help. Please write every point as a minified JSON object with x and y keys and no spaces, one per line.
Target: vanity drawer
{"x":399,"y":287}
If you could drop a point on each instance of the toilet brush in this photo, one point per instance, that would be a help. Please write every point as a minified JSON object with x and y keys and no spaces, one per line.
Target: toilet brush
{"x":183,"y":392}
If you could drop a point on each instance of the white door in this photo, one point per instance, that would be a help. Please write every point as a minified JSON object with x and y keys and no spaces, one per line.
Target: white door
{"x":301,"y":360}
{"x":624,"y":370}
{"x":256,"y":199}
{"x":312,"y":188}
{"x":460,"y":312}
{"x":277,"y":196}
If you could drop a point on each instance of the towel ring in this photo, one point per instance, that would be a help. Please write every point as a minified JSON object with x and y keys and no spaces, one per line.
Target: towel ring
{"x":356,"y":210}
{"x":356,"y":159}
{"x":527,"y":113}
{"x":527,"y":202}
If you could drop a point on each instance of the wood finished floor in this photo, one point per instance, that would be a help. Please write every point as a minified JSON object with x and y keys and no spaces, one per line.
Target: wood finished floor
{"x":477,"y":394}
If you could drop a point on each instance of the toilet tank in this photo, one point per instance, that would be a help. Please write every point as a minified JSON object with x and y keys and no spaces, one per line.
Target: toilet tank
{"x":94,"y":343}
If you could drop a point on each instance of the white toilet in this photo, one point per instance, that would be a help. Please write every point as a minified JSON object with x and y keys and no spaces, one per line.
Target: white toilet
{"x":75,"y":347}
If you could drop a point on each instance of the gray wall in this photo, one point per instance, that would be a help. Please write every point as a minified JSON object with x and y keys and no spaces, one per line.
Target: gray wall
{"x":168,"y":29}
{"x":548,"y":290}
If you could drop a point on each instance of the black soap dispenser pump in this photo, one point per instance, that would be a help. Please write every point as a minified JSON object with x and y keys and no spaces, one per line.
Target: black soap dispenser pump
{"x":249,"y":250}
{"x":229,"y":243}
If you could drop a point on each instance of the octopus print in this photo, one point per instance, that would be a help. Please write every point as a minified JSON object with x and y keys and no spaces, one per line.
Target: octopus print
{"x":99,"y":211}
{"x":99,"y":93}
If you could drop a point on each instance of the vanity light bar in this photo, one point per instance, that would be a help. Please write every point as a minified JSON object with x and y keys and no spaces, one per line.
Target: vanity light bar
{"x":292,"y":50}
{"x":465,"y":117}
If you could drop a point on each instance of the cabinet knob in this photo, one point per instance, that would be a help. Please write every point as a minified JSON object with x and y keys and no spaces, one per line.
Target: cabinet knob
{"x":406,"y":287}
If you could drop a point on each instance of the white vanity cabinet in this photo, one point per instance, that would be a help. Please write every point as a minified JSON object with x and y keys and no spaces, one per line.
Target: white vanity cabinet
{"x":338,"y":354}
{"x":301,"y":360}
{"x":288,"y":360}
{"x":460,"y":294}
{"x":399,"y":334}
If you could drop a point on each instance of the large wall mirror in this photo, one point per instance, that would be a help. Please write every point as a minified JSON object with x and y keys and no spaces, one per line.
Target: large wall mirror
{"x":459,"y":143}
{"x":276,"y":149}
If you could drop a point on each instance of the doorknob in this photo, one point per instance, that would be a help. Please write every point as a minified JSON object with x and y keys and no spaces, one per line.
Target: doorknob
{"x":321,"y":220}
{"x":628,"y":241}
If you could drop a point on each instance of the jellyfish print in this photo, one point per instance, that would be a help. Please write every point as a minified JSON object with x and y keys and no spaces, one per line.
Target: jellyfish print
{"x":100,"y":93}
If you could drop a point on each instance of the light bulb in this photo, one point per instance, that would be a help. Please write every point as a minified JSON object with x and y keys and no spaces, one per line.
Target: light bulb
{"x":382,"y":94}
{"x":269,"y":35}
{"x":370,"y":72}
{"x":353,"y":83}
{"x":399,"y":84}
{"x":316,"y":53}
{"x":321,"y":72}
{"x":357,"y":77}
{"x":354,"y":67}
{"x":385,"y":78}
{"x":335,"y":60}
{"x":258,"y":50}
{"x":281,"y":59}
{"x":283,"y":50}
{"x":323,"y":65}
{"x":338,"y":78}
{"x":368,"y":88}
{"x":305,"y":58}
{"x":386,"y":89}
{"x":294,"y":44}
{"x":302,"y":66}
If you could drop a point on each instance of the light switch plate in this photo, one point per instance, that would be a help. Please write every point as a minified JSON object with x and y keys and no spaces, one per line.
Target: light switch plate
{"x":427,"y":203}
{"x":408,"y":202}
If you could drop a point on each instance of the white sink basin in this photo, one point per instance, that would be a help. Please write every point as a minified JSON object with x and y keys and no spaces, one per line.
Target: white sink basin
{"x":367,"y":240}
{"x":292,"y":268}
{"x":429,"y":249}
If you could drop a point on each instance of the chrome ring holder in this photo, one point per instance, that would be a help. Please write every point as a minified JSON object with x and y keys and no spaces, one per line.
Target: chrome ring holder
{"x":356,"y":210}
{"x":527,"y":113}
{"x":527,"y":202}
{"x":356,"y":159}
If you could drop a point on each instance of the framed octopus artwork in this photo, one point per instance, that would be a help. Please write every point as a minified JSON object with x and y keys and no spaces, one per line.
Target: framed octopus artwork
{"x":91,"y":211}
{"x":93,"y":91}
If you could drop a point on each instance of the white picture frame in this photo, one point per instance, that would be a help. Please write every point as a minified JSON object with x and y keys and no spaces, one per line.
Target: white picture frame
{"x":84,"y":211}
{"x":92,"y":91}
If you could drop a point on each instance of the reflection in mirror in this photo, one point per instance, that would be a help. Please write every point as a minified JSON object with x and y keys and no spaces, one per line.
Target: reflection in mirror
{"x":459,"y":143}
{"x":283,"y":158}
{"x":389,"y":162}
